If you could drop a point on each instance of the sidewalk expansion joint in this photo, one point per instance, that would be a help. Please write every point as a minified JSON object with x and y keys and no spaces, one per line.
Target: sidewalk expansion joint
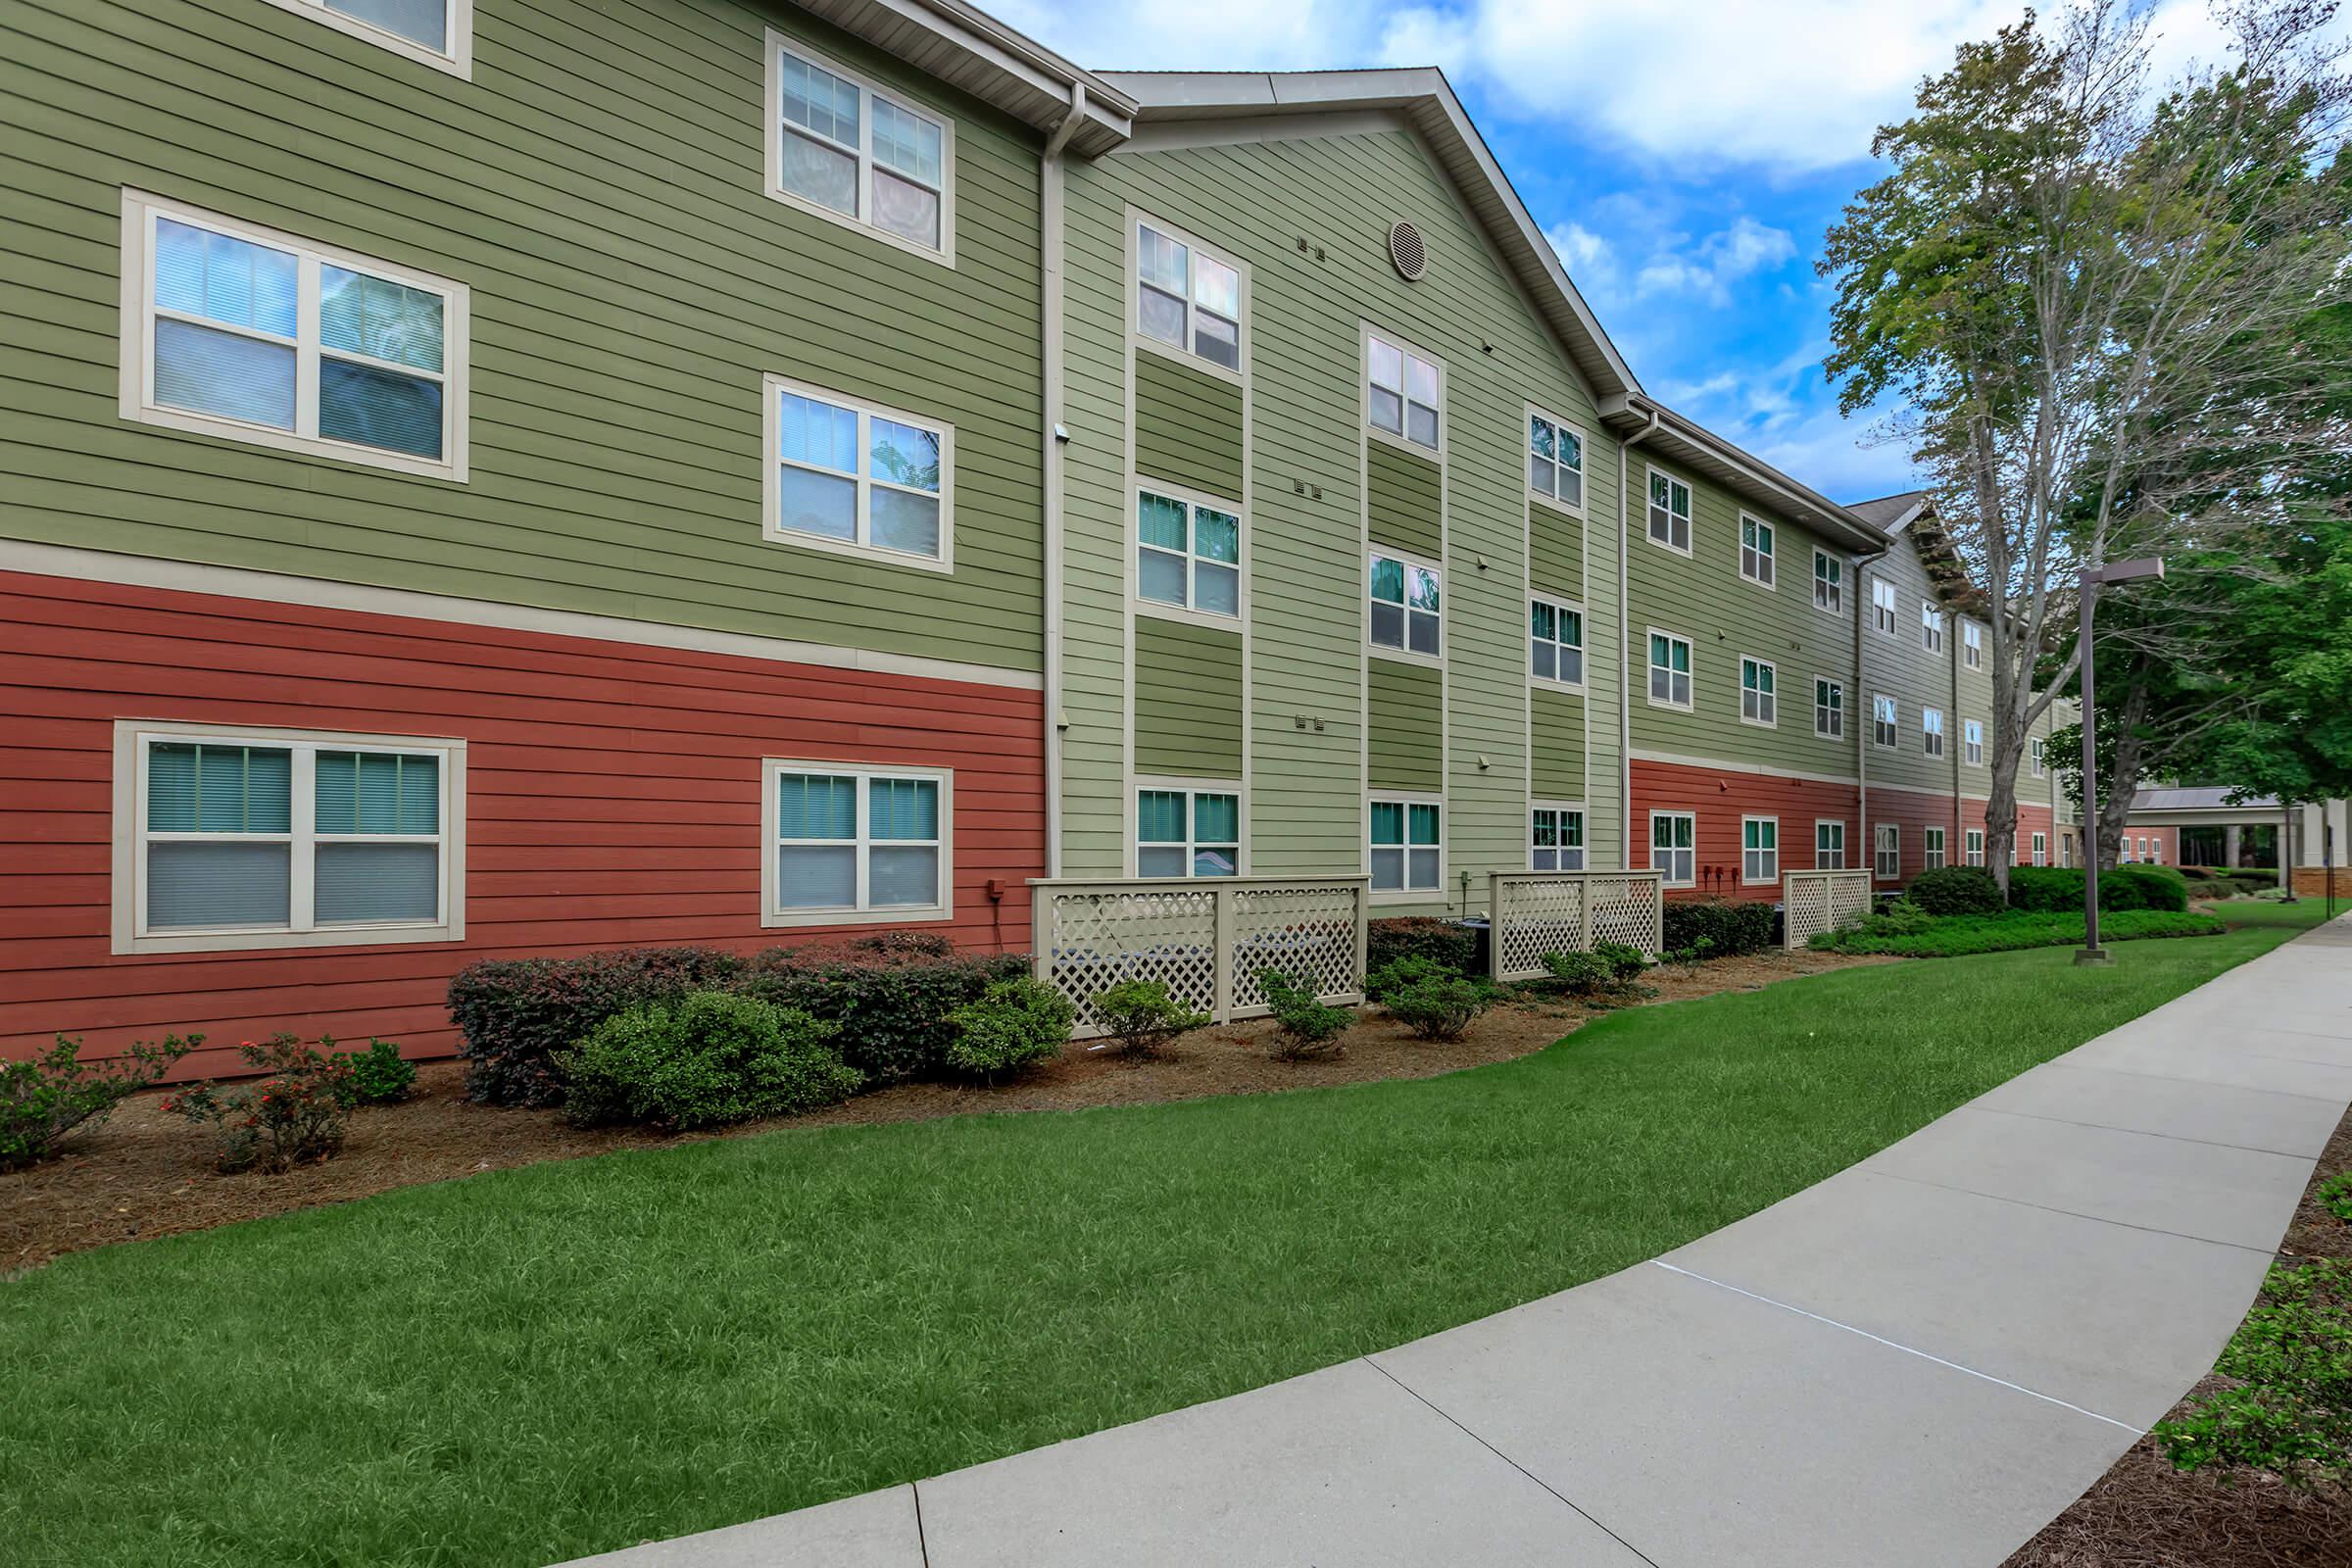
{"x":2140,"y":1132}
{"x":1869,"y":1169}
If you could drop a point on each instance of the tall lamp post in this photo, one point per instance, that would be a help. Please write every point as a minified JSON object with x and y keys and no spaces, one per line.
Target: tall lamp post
{"x":2093,"y":579}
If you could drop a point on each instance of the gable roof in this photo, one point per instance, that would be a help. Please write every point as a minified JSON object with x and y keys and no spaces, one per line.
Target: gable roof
{"x":1890,"y":513}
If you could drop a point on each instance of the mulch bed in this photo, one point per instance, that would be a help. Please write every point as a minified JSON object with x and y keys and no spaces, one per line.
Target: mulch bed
{"x":2145,"y":1514}
{"x":145,"y":1174}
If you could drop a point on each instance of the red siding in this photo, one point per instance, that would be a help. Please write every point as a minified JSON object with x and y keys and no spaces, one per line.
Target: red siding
{"x":1721,"y":798}
{"x":613,"y":797}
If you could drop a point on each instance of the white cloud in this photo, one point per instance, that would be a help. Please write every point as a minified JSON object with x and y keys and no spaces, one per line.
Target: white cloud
{"x":1204,"y":35}
{"x":1716,"y":261}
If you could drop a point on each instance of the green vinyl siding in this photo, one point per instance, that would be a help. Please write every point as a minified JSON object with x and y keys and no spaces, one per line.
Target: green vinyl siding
{"x":1187,"y":700}
{"x":1188,"y":426}
{"x":598,"y":186}
{"x":1556,"y":543}
{"x":1402,"y":504}
{"x":1406,"y":726}
{"x":1557,"y":736}
{"x":1900,"y":667}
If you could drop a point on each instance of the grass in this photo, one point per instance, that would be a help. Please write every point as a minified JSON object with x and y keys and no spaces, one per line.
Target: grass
{"x":540,"y":1363}
{"x":1954,"y":936}
{"x":2276,"y":914}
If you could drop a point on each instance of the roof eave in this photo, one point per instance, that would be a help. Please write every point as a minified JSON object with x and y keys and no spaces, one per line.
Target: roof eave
{"x":1697,"y":447}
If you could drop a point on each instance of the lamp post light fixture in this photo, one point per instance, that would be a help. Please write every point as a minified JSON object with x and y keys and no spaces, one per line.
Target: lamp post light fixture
{"x":2093,"y":579}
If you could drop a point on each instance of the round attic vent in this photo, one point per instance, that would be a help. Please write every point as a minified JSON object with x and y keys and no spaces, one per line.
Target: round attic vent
{"x":1404,"y":249}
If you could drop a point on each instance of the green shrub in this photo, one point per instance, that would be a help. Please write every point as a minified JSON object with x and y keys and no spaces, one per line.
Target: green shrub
{"x":45,"y":1099}
{"x":1580,"y":974}
{"x":1409,"y":971}
{"x":2058,"y":890}
{"x":1897,"y":917}
{"x":515,"y":1013}
{"x":296,"y":1115}
{"x":1013,"y":1024}
{"x":2335,"y":1195}
{"x":2288,"y":1408}
{"x":1441,"y":1007}
{"x":1717,"y":928}
{"x":1956,"y":890}
{"x":706,"y":1059}
{"x":1625,"y":961}
{"x":1954,"y":936}
{"x":1420,"y":936}
{"x":1143,"y":1017}
{"x":379,"y":1075}
{"x":888,"y":996}
{"x":1304,"y":1025}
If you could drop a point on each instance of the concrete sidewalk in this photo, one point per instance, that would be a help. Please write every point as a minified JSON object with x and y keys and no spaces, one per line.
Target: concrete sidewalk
{"x":1918,"y":1361}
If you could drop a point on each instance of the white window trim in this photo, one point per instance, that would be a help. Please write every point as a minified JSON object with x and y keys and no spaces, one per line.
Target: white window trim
{"x":1931,"y":732}
{"x":773,"y":482}
{"x":1972,"y":846}
{"x":1407,"y":798}
{"x":1558,"y":604}
{"x":1894,"y":721}
{"x":1187,"y":613}
{"x":1972,"y":644}
{"x":1934,"y":847}
{"x":1188,"y":788}
{"x":1685,"y":551}
{"x":1650,"y":844}
{"x":1890,"y":836}
{"x":1435,"y":660}
{"x":779,"y":45}
{"x":1885,"y":597}
{"x":1578,"y":806}
{"x":1838,"y":686}
{"x":1972,"y":740}
{"x":2038,"y":750}
{"x":772,"y":768}
{"x":136,"y":382}
{"x":1838,"y":823}
{"x":1746,"y":659}
{"x":1771,"y":558}
{"x":1647,"y":666}
{"x":2041,"y":849}
{"x":1845,"y":574}
{"x":1747,"y":881}
{"x":1583,"y":447}
{"x":1366,"y":331}
{"x":129,"y":888}
{"x":457,"y":29}
{"x":1137,"y":220}
{"x":1933,"y":625}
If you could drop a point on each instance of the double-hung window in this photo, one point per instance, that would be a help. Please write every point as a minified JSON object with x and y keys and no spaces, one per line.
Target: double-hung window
{"x":857,"y":478}
{"x":1406,"y":848}
{"x":1405,"y":394}
{"x":1972,"y":741}
{"x":1881,"y":604}
{"x":850,"y":845}
{"x":252,"y":335}
{"x":857,"y":154}
{"x":2035,"y":750}
{"x":1187,"y":298}
{"x":1829,"y":582}
{"x":2155,"y":850}
{"x":1669,"y":671}
{"x":1674,"y":846}
{"x":1886,"y":852}
{"x":1188,"y":832}
{"x":1556,"y":839}
{"x":1931,"y":731}
{"x":1934,"y":845}
{"x":2041,"y":849}
{"x":1759,"y":850}
{"x":1975,"y":845}
{"x":1828,"y":710}
{"x":437,"y":32}
{"x":1759,"y":698}
{"x":1188,"y":555}
{"x":1972,"y":645}
{"x":1755,"y":551}
{"x":1406,"y":616}
{"x":1557,"y":639}
{"x":1555,"y":461}
{"x":1669,"y":511}
{"x":1829,"y":846}
{"x":1886,"y":720}
{"x":1930,"y":626}
{"x":254,"y":839}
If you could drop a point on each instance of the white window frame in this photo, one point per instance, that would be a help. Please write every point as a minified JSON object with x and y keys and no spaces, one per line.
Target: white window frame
{"x":1934,"y":848}
{"x":1931,"y":732}
{"x":1188,"y":788}
{"x":1972,"y":644}
{"x":1670,"y":879}
{"x":1408,"y":798}
{"x":1829,"y":717}
{"x":868,"y":89}
{"x":1886,"y":852}
{"x":1412,"y":562}
{"x":1195,"y":501}
{"x":2036,"y":751}
{"x":1764,"y":554}
{"x":1773,"y":850}
{"x":1370,"y":334}
{"x":1972,"y":844}
{"x":1559,"y":427}
{"x":1759,"y":718}
{"x":129,"y":933}
{"x":1137,"y":221}
{"x":2041,"y":849}
{"x":865,"y":773}
{"x":1930,"y":628}
{"x":1688,"y":516}
{"x":2155,"y":848}
{"x":2066,"y":850}
{"x":1559,"y":607}
{"x":1886,"y":720}
{"x":1561,"y":810}
{"x":456,"y":32}
{"x":771,"y":488}
{"x":136,"y":382}
{"x":1831,"y":587}
{"x":1972,"y":741}
{"x":1689,"y":704}
{"x":1882,"y":603}
{"x":1828,"y":855}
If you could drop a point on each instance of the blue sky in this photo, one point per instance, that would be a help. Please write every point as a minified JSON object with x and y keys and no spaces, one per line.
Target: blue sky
{"x":1684,"y":159}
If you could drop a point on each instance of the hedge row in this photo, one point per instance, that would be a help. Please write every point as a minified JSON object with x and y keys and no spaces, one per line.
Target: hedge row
{"x":1419,"y":936}
{"x":1728,"y":927}
{"x":1953,"y":936}
{"x":1956,"y":890}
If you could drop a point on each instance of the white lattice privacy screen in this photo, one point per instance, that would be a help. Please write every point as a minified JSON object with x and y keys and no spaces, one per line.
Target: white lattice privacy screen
{"x":1208,"y":938}
{"x":1814,"y":902}
{"x":1540,"y":912}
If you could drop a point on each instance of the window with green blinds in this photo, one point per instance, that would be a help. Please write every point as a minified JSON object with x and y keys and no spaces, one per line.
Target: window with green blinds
{"x":855,"y":842}
{"x":1186,"y":833}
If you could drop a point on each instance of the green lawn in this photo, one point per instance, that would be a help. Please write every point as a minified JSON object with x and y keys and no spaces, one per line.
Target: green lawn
{"x":2300,"y":916}
{"x":539,"y":1364}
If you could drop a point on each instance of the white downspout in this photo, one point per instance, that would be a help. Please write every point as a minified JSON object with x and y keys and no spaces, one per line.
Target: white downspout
{"x":1049,"y":271}
{"x":1625,"y":618}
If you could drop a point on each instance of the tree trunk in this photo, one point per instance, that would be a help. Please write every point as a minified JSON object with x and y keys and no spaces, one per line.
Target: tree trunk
{"x":2117,"y":790}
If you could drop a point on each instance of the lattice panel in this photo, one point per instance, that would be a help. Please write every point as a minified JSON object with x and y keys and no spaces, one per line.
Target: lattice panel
{"x":1627,"y":909}
{"x":1097,"y":939}
{"x":1536,"y":919}
{"x":1814,"y":902}
{"x":1309,"y":933}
